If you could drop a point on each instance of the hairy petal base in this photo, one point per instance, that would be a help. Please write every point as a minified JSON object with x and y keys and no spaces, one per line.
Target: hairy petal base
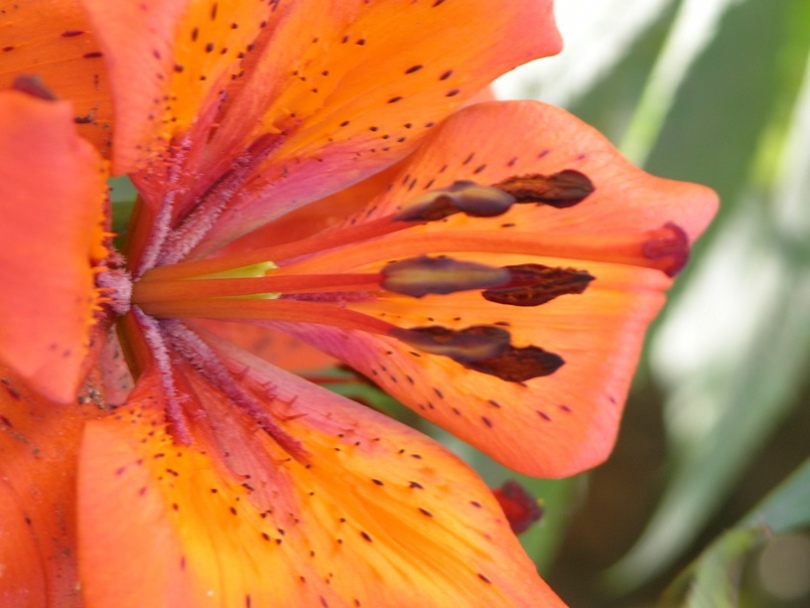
{"x":366,"y":513}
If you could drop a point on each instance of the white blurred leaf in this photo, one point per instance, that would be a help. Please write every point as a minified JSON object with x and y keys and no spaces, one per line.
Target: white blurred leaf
{"x":597,"y":35}
{"x":694,"y":28}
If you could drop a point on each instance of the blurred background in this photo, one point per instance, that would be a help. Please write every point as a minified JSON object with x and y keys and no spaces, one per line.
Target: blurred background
{"x":706,"y":500}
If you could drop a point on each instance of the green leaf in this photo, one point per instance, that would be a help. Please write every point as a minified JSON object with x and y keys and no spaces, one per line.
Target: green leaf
{"x":711,"y":580}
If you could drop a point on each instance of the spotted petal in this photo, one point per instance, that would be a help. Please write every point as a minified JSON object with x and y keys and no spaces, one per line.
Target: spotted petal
{"x":315,"y":95}
{"x":56,"y":44}
{"x":52,"y":195}
{"x":363,"y":512}
{"x":39,"y":443}
{"x":629,"y":234}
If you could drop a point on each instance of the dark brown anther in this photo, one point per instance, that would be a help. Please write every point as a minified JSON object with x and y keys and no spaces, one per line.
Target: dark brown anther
{"x":461,"y":197}
{"x":483,"y":348}
{"x":479,"y":342}
{"x":535,"y":284}
{"x":32,"y":85}
{"x":424,"y":275}
{"x":518,"y":364}
{"x":560,"y":190}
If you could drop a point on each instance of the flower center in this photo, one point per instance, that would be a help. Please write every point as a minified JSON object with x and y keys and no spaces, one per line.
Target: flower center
{"x":358,"y":277}
{"x":296,"y":282}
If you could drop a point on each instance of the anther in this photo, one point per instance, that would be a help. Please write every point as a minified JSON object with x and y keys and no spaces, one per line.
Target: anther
{"x":424,"y":275}
{"x":535,"y":284}
{"x":461,"y":197}
{"x":560,"y":190}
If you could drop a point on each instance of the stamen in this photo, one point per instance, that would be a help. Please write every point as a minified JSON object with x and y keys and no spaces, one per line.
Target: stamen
{"x":535,"y":284}
{"x":621,"y":249}
{"x":464,"y":346}
{"x":560,"y":190}
{"x":519,"y":364}
{"x":316,"y":243}
{"x":424,"y":275}
{"x":461,"y":197}
{"x":483,"y":348}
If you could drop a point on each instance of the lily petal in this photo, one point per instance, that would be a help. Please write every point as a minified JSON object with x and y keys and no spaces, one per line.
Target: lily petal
{"x":316,"y":95}
{"x":280,"y":349}
{"x":52,"y":194}
{"x":39,"y":443}
{"x":365,"y":513}
{"x":170,"y":73}
{"x":57,"y":45}
{"x":566,"y":421}
{"x":355,"y":86}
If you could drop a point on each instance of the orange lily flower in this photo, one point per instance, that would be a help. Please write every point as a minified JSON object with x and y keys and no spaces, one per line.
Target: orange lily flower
{"x":302,"y":169}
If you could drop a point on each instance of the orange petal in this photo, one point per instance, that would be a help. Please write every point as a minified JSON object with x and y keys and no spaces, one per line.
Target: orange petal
{"x":177,"y":58}
{"x":491,"y":142}
{"x":56,"y":43}
{"x":39,"y":443}
{"x":552,"y":425}
{"x":316,"y":216}
{"x":367,"y":513}
{"x":274,"y":83}
{"x":52,"y":193}
{"x":276,"y":347}
{"x":351,"y":86}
